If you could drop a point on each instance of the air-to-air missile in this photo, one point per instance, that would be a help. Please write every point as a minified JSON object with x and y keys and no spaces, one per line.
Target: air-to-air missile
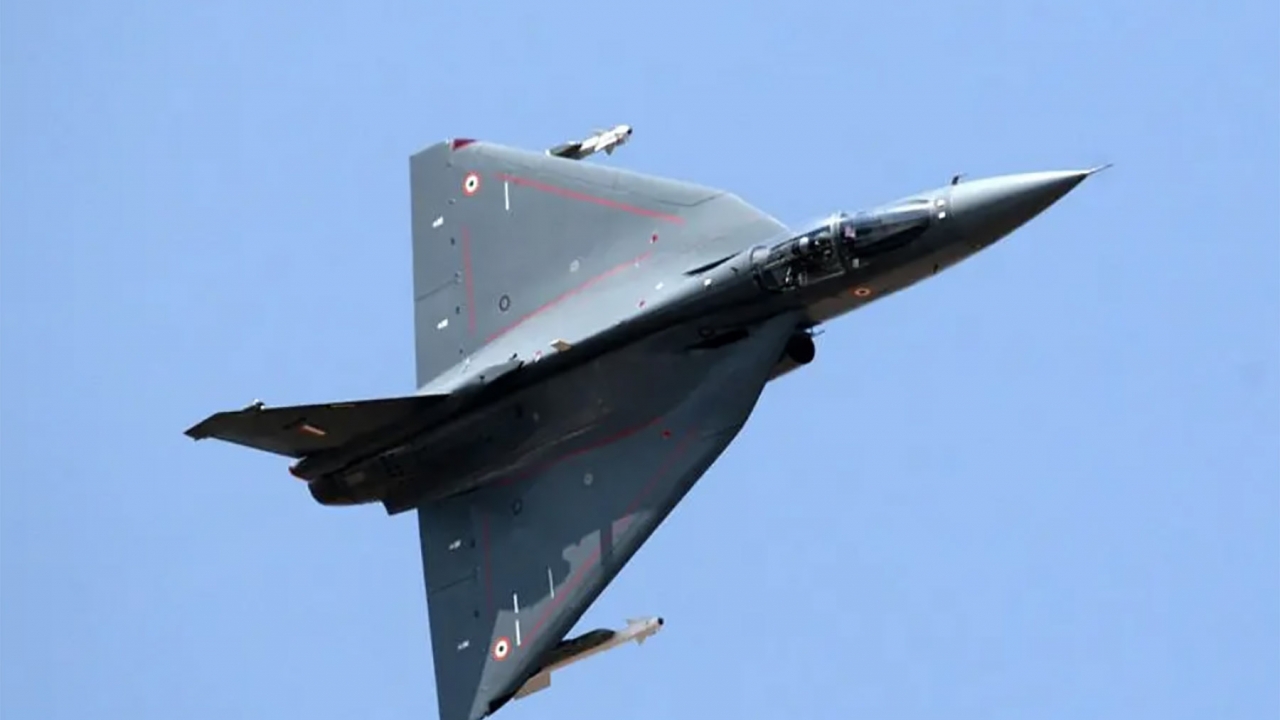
{"x":603,"y":141}
{"x":584,"y":646}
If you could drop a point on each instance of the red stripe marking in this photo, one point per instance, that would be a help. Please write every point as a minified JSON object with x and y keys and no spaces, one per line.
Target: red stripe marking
{"x":583,"y":197}
{"x":484,"y":531}
{"x":466,"y":278}
{"x":565,"y":295}
{"x":590,"y":562}
{"x":676,"y":452}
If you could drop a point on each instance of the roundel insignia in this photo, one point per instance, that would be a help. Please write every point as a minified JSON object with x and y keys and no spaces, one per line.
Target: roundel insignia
{"x":501,"y":648}
{"x":471,"y":184}
{"x":862,"y":292}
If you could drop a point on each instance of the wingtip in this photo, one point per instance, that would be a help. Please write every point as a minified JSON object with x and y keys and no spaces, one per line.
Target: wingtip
{"x":199,"y":431}
{"x":1097,"y":169}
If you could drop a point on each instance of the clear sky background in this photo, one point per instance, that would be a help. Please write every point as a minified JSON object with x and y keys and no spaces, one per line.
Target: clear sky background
{"x":1045,"y":484}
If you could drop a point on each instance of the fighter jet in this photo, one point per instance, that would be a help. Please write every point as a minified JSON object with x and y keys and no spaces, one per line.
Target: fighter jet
{"x":588,"y":341}
{"x":604,"y":140}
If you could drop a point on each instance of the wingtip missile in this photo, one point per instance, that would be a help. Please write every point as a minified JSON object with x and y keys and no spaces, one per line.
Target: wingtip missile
{"x":584,"y":646}
{"x":605,"y":141}
{"x":639,"y":629}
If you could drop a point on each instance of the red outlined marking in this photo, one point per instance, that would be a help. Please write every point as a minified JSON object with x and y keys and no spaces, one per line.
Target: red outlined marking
{"x":466,"y":279}
{"x":565,"y":295}
{"x":594,"y":558}
{"x":583,"y":197}
{"x":518,"y":477}
{"x":501,"y":649}
{"x":676,"y":453}
{"x":471,"y":184}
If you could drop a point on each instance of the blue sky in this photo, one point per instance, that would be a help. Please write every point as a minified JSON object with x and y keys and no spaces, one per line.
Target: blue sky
{"x":1043,"y":484}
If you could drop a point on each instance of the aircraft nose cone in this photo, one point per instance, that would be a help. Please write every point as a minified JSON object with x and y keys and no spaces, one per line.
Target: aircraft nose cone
{"x":990,"y":208}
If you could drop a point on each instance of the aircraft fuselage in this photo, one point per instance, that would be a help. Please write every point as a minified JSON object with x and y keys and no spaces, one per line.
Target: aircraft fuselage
{"x":522,"y":423}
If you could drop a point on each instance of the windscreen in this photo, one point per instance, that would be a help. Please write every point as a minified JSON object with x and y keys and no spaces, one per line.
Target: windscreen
{"x":900,"y":221}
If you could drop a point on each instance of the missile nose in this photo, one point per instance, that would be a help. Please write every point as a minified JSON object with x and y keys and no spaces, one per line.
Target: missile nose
{"x":659,"y":622}
{"x":988,"y":209}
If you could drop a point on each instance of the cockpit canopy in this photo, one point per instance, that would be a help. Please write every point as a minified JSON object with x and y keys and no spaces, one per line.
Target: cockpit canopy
{"x":845,"y":242}
{"x":870,"y":226}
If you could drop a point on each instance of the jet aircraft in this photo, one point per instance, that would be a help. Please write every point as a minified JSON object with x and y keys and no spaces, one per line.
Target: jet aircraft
{"x":589,"y":340}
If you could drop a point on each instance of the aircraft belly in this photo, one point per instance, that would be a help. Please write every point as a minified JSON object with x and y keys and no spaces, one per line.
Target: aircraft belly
{"x":610,"y":396}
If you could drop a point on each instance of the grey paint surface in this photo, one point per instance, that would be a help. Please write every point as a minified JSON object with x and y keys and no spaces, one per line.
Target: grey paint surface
{"x":589,"y":340}
{"x":573,"y":247}
{"x":547,"y":541}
